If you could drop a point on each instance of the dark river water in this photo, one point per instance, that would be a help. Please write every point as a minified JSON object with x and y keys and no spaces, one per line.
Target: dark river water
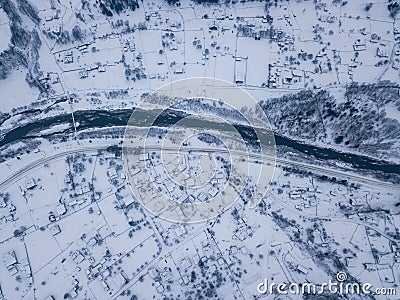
{"x":109,"y":118}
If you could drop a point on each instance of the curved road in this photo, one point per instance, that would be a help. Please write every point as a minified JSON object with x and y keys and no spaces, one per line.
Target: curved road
{"x":336,"y":173}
